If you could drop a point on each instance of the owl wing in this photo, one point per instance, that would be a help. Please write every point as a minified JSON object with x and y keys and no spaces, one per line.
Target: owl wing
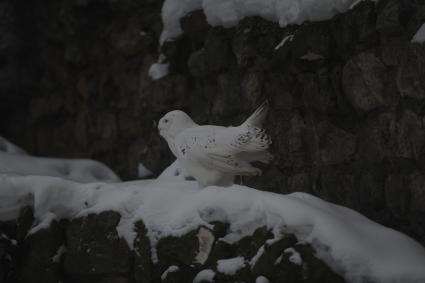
{"x":225,"y":149}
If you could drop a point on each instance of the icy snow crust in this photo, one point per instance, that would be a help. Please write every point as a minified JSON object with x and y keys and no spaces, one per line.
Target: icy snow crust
{"x":172,"y":206}
{"x":228,"y":13}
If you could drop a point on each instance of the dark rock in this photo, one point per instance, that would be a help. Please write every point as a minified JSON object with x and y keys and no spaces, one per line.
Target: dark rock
{"x":388,"y":18}
{"x":410,"y":80}
{"x":8,"y":253}
{"x":338,"y":186}
{"x":177,"y":274}
{"x":195,"y":26}
{"x":391,"y":137}
{"x":254,"y":40}
{"x":336,"y":145}
{"x":312,"y":39}
{"x":397,"y":195}
{"x":43,"y":255}
{"x":228,"y":90}
{"x":249,"y":245}
{"x":214,"y":57}
{"x":393,"y":51}
{"x":190,"y":249}
{"x":265,"y":263}
{"x":363,"y":80}
{"x":94,"y":247}
{"x":142,"y":260}
{"x":355,"y":31}
{"x":318,"y":92}
{"x":221,"y":250}
{"x":315,"y":269}
{"x":25,"y":219}
{"x":115,"y":280}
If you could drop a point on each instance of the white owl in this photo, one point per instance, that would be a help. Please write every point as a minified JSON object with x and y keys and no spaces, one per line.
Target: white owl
{"x":214,"y":155}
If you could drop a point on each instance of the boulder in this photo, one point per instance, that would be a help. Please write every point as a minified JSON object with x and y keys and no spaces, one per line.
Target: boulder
{"x":43,"y":255}
{"x":190,"y":249}
{"x":94,"y":246}
{"x":143,"y":266}
{"x":363,"y":80}
{"x":213,"y":57}
{"x":410,"y":80}
{"x":336,"y":145}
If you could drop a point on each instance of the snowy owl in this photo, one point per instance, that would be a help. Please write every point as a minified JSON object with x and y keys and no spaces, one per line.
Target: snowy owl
{"x":214,"y":155}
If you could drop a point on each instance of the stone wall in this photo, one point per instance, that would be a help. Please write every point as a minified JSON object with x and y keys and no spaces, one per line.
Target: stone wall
{"x":347,"y":126}
{"x":89,"y":250}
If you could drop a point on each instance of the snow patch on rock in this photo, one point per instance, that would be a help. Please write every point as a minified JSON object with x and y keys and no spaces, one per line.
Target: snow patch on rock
{"x":230,"y":266}
{"x":204,"y":275}
{"x":171,"y":269}
{"x":294,"y":257}
{"x":206,"y":240}
{"x":228,"y":13}
{"x":419,"y":37}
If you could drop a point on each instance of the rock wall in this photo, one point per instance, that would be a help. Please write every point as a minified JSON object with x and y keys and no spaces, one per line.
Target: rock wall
{"x":77,"y":251}
{"x":347,"y":95}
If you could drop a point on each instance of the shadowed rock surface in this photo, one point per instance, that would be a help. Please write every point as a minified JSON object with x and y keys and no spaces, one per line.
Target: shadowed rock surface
{"x":88,"y":249}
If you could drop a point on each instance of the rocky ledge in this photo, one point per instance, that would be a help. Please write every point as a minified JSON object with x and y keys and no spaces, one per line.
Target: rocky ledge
{"x":169,"y":230}
{"x":89,"y":249}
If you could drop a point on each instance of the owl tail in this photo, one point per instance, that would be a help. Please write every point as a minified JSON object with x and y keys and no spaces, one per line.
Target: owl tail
{"x":257,"y":118}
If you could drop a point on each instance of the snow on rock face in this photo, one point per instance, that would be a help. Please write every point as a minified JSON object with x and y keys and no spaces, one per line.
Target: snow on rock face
{"x":230,"y":266}
{"x":79,"y":170}
{"x":419,"y":37}
{"x":170,"y":269}
{"x":261,"y":279}
{"x":143,"y":172}
{"x":206,"y":240}
{"x":206,"y":275}
{"x":228,"y":13}
{"x":294,"y":257}
{"x":8,"y":147}
{"x":342,"y":237}
{"x":158,"y":70}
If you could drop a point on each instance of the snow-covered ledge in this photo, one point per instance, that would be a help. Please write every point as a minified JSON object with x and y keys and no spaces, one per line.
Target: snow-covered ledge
{"x":178,"y":217}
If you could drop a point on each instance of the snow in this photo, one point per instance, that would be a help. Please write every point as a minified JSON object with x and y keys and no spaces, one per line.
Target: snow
{"x":158,"y":70}
{"x":278,"y":260}
{"x":262,"y":279}
{"x":353,"y":245}
{"x":295,"y":257}
{"x":419,"y":37}
{"x":204,"y":275}
{"x":46,"y":220}
{"x":228,"y":13}
{"x":8,"y":147}
{"x":171,"y":269}
{"x":257,"y":256}
{"x":230,"y":266}
{"x":206,"y":240}
{"x":284,"y":40}
{"x":143,"y":172}
{"x":79,"y":170}
{"x":287,"y":38}
{"x":57,"y":257}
